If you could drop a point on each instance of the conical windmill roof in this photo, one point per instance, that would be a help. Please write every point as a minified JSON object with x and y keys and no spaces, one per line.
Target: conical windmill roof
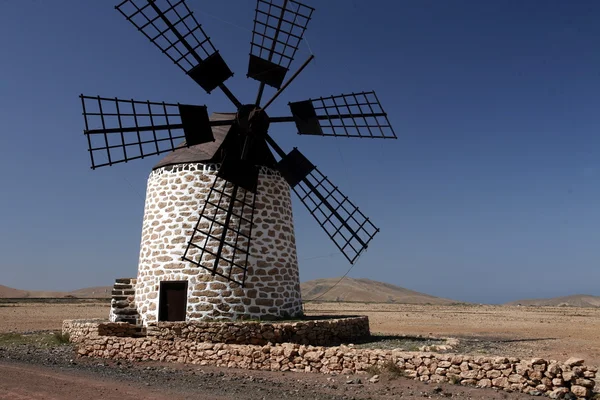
{"x":204,"y":152}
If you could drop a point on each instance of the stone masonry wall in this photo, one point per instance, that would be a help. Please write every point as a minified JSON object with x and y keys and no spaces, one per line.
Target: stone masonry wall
{"x":534,"y":376}
{"x":318,"y":332}
{"x":122,"y":304}
{"x":81,"y":330}
{"x":321,"y":332}
{"x":175,"y":196}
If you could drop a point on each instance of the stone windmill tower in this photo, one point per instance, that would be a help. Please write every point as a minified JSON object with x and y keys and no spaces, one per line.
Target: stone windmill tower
{"x":178,"y":187}
{"x":218,"y":237}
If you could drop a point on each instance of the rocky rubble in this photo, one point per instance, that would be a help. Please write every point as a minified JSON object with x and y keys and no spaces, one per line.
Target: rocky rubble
{"x":569,"y":379}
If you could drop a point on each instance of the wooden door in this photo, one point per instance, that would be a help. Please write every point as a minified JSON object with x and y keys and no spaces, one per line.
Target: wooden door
{"x":172,"y":302}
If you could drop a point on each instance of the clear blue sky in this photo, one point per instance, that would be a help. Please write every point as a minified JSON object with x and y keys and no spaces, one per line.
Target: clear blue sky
{"x":490,"y":193}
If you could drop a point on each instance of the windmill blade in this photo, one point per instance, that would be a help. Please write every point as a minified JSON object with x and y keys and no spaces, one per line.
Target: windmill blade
{"x":279,"y":26}
{"x":172,"y":27}
{"x":344,"y":223}
{"x":220,"y":240}
{"x":349,"y":115}
{"x":124,"y":130}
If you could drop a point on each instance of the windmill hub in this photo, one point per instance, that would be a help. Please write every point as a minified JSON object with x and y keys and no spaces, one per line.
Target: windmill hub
{"x":252,"y":119}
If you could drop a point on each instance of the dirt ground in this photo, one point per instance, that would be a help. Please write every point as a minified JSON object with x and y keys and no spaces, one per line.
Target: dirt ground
{"x":55,"y":373}
{"x":28,"y":316}
{"x":58,"y":378}
{"x":549,"y":332}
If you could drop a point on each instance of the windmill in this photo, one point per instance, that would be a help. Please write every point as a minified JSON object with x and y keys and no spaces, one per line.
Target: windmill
{"x":218,"y":239}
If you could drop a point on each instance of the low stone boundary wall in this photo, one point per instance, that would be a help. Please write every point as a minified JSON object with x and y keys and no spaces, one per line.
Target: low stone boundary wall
{"x":318,"y":332}
{"x":80,"y":330}
{"x":534,"y":376}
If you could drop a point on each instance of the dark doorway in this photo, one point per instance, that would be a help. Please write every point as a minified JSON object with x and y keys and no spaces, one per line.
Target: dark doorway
{"x":172,"y":302}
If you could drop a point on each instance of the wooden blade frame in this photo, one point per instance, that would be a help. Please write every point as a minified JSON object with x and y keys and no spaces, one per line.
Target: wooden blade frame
{"x":348,"y":115}
{"x":279,"y":26}
{"x":220,"y":241}
{"x":124,"y":130}
{"x":344,"y":223}
{"x":172,"y":27}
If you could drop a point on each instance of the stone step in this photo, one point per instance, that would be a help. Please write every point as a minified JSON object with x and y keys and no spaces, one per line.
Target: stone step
{"x":125,"y":311}
{"x":125,"y":280}
{"x":125,"y":292}
{"x":122,"y":286}
{"x":131,"y":319}
{"x":119,"y":303}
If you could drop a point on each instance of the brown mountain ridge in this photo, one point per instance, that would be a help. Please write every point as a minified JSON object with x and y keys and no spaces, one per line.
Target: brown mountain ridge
{"x":365,"y":290}
{"x":91,"y":292}
{"x":577,"y":300}
{"x":349,"y":289}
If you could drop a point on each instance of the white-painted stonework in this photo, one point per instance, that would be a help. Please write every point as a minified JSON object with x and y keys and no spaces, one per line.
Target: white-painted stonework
{"x":174,"y":198}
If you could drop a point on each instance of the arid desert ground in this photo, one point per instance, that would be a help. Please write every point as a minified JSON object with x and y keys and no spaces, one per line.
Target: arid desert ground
{"x":35,"y":371}
{"x":549,"y":332}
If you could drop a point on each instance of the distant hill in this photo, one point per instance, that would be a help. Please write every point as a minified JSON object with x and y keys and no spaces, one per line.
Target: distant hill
{"x":92,"y":292}
{"x":366,"y":290}
{"x":96,"y":291}
{"x":349,"y":289}
{"x":6,"y":291}
{"x":577,"y":300}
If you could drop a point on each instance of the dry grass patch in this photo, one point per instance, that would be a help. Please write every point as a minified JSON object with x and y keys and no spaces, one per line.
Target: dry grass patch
{"x":38,"y":339}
